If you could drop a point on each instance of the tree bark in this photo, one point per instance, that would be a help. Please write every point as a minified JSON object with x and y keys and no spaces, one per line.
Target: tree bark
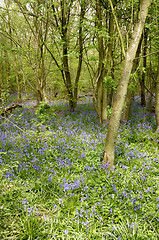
{"x":103,"y":70}
{"x":142,"y":82}
{"x":71,"y":91}
{"x":127,"y":107}
{"x":17,"y":81}
{"x":80,"y":58}
{"x":100,"y":73}
{"x":114,"y":123}
{"x":157,"y":99}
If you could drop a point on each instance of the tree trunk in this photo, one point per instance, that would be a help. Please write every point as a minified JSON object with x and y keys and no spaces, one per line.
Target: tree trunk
{"x":17,"y":81}
{"x":127,"y":107}
{"x":100,"y":76}
{"x":72,"y":93}
{"x":80,"y":58}
{"x":142,"y":82}
{"x":157,"y":99}
{"x":103,"y":71}
{"x":123,"y":85}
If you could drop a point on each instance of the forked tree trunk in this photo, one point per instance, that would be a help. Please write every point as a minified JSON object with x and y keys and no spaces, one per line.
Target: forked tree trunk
{"x":157,"y":99}
{"x":72,"y":92}
{"x":108,"y":156}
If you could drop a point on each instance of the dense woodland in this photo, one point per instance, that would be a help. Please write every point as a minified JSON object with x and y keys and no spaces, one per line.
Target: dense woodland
{"x":79,"y":119}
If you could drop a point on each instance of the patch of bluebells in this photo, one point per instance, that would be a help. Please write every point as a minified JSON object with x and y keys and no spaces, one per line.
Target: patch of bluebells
{"x":61,"y":156}
{"x":29,"y":209}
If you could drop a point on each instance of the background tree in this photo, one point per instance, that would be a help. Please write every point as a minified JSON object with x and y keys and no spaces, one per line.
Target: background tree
{"x":63,"y":15}
{"x":105,"y":42}
{"x":157,"y":99}
{"x":36,"y":16}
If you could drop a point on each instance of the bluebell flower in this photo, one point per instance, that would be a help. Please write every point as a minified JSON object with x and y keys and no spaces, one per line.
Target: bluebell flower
{"x":50,"y":178}
{"x":66,"y":231}
{"x":110,"y":210}
{"x":24,"y":201}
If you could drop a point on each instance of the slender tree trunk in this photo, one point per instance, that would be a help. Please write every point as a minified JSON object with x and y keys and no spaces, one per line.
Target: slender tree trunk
{"x":128,"y":100}
{"x":100,"y":74}
{"x":157,"y":99}
{"x":127,"y":107}
{"x":103,"y":71}
{"x":67,"y":75}
{"x":80,"y":58}
{"x":17,"y":81}
{"x":107,"y":71}
{"x":123,"y":85}
{"x":142,"y":82}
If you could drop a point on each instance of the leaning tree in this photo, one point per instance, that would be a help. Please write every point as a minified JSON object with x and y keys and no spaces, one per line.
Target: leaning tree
{"x":123,"y":85}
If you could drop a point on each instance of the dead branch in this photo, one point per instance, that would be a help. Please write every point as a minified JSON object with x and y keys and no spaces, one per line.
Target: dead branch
{"x":9,"y":108}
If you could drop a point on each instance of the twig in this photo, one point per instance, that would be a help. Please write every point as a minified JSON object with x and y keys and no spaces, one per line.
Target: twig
{"x":154,"y":228}
{"x":152,"y":225}
{"x":118,"y":28}
{"x":146,"y":55}
{"x":13,"y":124}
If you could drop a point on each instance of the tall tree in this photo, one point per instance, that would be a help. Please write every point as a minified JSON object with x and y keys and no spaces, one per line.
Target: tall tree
{"x":142,"y":80}
{"x":15,"y":57}
{"x":157,"y":99}
{"x":100,"y":92}
{"x":63,"y":13}
{"x":123,"y":85}
{"x":130,"y":91}
{"x":36,"y":16}
{"x":105,"y":43}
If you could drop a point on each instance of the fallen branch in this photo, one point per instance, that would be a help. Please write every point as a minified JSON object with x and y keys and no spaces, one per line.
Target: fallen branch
{"x":9,"y":108}
{"x":85,"y":95}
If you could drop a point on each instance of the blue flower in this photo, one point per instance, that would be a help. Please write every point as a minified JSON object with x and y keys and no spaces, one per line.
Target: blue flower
{"x":66,"y":231}
{"x":110,"y":210}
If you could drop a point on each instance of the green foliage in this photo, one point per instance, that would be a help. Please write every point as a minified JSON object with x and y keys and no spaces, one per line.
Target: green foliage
{"x":110,"y":83}
{"x":4,"y":96}
{"x":44,"y":112}
{"x":109,"y":111}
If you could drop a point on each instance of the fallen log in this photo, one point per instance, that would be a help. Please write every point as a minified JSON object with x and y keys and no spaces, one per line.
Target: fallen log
{"x":10,"y":108}
{"x":85,"y":95}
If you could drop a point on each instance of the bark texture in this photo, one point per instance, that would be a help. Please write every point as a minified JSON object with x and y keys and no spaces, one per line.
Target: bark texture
{"x":142,"y":81}
{"x":99,"y":91}
{"x":157,"y":99}
{"x":128,"y":100}
{"x":114,"y":123}
{"x":17,"y":81}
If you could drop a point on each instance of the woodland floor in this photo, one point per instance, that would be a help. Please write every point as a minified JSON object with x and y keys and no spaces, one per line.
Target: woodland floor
{"x":53,"y":184}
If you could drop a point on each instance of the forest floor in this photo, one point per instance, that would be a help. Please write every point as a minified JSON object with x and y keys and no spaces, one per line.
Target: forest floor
{"x":53,"y":184}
